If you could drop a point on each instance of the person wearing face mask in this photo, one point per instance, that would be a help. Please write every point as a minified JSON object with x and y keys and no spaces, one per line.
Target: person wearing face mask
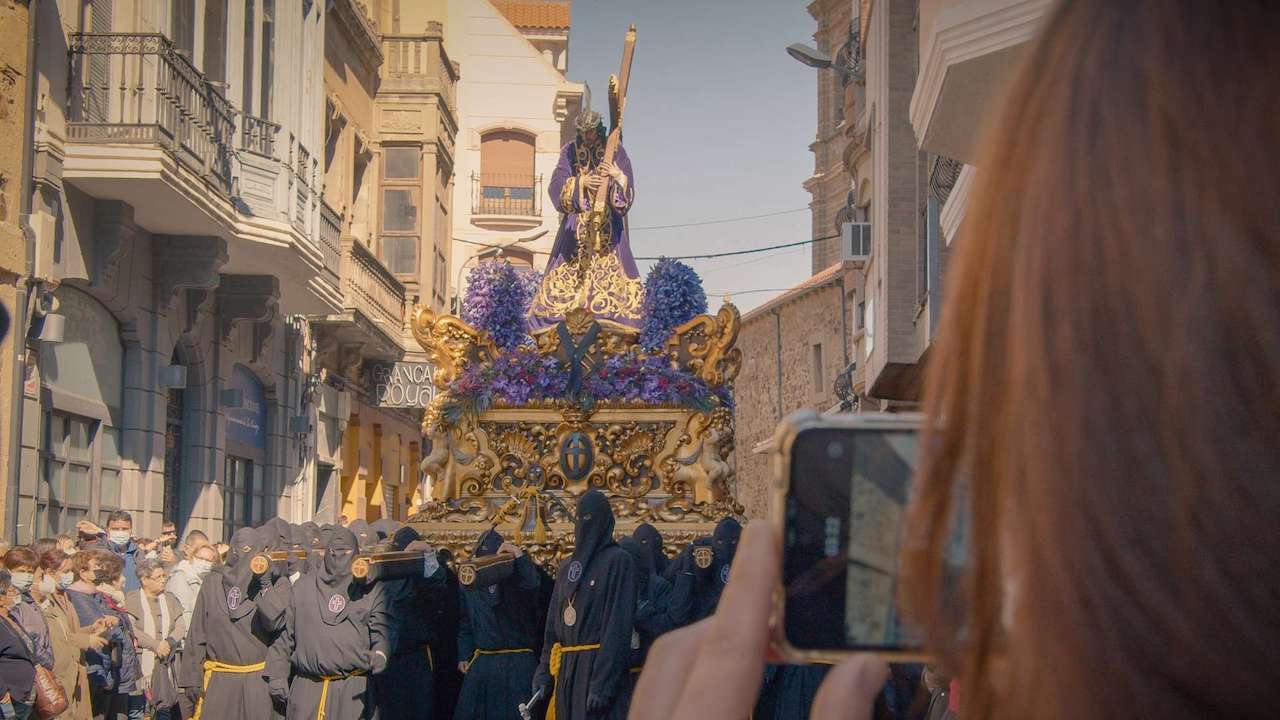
{"x":587,"y":646}
{"x":188,"y":575}
{"x":158,"y":631}
{"x":68,"y":637}
{"x":651,"y":540}
{"x":17,"y":668}
{"x":498,"y":629}
{"x":24,"y":569}
{"x":118,"y":538}
{"x":226,"y":646}
{"x":337,"y":633}
{"x":104,"y":665}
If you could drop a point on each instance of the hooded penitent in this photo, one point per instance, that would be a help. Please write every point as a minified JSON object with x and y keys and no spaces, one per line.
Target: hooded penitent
{"x":644,"y":562}
{"x":334,"y":579}
{"x":488,"y":544}
{"x":649,"y":538}
{"x":238,"y":581}
{"x":592,"y":532}
{"x":299,"y":540}
{"x":365,"y":536}
{"x":724,"y":544}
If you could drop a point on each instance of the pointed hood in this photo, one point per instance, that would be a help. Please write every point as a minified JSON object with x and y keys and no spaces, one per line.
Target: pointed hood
{"x":592,"y":533}
{"x":239,"y":585}
{"x":334,"y":578}
{"x":651,"y":540}
{"x":724,"y":545}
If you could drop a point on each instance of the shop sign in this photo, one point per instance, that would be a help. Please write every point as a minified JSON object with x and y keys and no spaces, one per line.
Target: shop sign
{"x":247,"y":424}
{"x":402,"y":384}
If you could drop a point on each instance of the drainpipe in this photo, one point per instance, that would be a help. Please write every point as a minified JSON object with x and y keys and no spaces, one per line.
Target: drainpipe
{"x":777,"y":323}
{"x":21,"y":316}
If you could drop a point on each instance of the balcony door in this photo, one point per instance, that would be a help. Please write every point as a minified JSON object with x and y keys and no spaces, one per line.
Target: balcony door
{"x":506,"y":173}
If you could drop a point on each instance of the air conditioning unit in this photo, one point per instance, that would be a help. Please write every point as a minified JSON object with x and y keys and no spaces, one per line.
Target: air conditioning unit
{"x":855,"y":241}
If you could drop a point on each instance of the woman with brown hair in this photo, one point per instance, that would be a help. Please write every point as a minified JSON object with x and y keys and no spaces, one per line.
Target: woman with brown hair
{"x":70,"y":639}
{"x":1104,"y":392}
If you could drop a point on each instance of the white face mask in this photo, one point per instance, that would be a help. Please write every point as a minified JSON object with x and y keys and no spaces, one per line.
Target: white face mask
{"x":119,"y":537}
{"x":67,"y":580}
{"x":23,"y":580}
{"x":202,"y":567}
{"x":47,"y":585}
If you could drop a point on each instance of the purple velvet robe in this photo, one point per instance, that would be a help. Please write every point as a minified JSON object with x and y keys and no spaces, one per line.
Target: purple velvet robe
{"x":613,"y":289}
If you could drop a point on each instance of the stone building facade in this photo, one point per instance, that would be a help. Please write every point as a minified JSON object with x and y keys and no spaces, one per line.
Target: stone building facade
{"x":15,"y":147}
{"x":830,"y":186}
{"x":518,"y":109}
{"x":209,"y":273}
{"x":794,"y":349}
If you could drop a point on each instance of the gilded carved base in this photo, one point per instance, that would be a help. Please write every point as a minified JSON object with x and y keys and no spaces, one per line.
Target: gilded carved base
{"x":522,"y":468}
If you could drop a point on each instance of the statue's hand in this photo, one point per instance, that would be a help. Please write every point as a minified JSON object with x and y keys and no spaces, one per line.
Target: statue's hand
{"x":593,"y":182}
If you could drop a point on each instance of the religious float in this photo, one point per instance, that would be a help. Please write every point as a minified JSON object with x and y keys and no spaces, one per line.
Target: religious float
{"x":585,"y":377}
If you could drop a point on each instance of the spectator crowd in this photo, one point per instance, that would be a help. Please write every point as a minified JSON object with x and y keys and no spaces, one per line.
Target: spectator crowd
{"x":93,"y":625}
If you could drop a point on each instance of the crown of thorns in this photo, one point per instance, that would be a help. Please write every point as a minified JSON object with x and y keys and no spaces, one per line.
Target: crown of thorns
{"x":588,"y":120}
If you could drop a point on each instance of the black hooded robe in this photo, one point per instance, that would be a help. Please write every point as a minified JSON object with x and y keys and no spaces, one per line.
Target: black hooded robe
{"x":444,"y":618}
{"x":654,"y":616}
{"x":406,"y":690}
{"x":649,"y":537}
{"x":696,"y":591}
{"x":228,"y":629}
{"x":599,"y":582}
{"x":788,"y":691}
{"x":500,"y":617}
{"x":334,"y":631}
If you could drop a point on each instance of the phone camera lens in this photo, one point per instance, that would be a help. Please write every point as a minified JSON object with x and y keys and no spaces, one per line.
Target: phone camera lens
{"x":835,"y":450}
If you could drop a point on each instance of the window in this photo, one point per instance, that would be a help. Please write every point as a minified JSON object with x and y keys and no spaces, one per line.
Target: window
{"x":79,"y":473}
{"x":184,"y":27}
{"x":246,"y":99}
{"x":215,"y":40}
{"x":860,"y":321}
{"x":818,"y":374}
{"x":506,"y":173}
{"x":869,"y":325}
{"x":401,"y":163}
{"x":401,"y":208}
{"x":401,"y":254}
{"x":440,"y":279}
{"x":268,"y":56}
{"x":244,"y":498}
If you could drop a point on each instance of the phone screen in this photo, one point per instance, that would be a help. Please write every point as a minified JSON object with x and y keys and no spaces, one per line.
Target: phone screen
{"x":848,"y":491}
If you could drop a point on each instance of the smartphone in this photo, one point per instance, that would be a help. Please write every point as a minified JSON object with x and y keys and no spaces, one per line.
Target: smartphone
{"x":841,"y":489}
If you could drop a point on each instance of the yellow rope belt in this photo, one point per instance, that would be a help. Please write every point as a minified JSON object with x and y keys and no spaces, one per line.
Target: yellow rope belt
{"x":557,"y":654}
{"x":504,"y":651}
{"x":213,"y":666}
{"x":324,"y":689}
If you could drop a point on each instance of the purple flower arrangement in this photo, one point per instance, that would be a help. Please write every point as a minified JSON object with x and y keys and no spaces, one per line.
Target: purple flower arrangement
{"x":497,"y":301}
{"x":523,"y":376}
{"x":673,"y":295}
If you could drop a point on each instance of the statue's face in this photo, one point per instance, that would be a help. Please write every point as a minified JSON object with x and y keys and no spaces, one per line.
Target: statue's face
{"x":591,"y":135}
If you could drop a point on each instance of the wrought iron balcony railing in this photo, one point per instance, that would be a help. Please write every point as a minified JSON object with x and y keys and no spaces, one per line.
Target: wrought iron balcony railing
{"x":369,"y":287}
{"x":506,"y":194}
{"x":137,"y":88}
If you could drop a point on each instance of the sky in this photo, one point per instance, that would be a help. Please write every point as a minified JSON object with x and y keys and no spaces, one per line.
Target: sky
{"x":718,"y":125}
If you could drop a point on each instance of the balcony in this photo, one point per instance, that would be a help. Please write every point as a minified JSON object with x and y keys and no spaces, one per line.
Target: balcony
{"x":258,"y":136}
{"x":330,"y":238}
{"x":144,"y":126}
{"x":967,"y":49}
{"x":418,"y":64}
{"x":373,"y":303}
{"x":506,"y":201}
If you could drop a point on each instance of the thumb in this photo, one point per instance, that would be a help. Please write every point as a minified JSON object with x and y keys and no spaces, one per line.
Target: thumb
{"x":850,"y":689}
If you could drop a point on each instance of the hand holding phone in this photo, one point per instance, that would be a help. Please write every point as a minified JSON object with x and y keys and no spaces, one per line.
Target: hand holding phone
{"x":838,"y":506}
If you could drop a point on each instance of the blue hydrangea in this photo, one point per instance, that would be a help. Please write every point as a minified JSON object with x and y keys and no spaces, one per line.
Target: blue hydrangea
{"x":497,"y":301}
{"x":673,"y":295}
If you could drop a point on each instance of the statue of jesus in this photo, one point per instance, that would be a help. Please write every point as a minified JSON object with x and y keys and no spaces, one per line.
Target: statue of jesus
{"x":591,"y":264}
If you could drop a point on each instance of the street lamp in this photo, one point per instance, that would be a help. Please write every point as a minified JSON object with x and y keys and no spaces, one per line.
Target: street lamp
{"x":815,"y":58}
{"x":497,"y":249}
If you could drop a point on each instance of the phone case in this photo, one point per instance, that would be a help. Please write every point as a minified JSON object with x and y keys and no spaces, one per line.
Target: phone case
{"x":783,"y":440}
